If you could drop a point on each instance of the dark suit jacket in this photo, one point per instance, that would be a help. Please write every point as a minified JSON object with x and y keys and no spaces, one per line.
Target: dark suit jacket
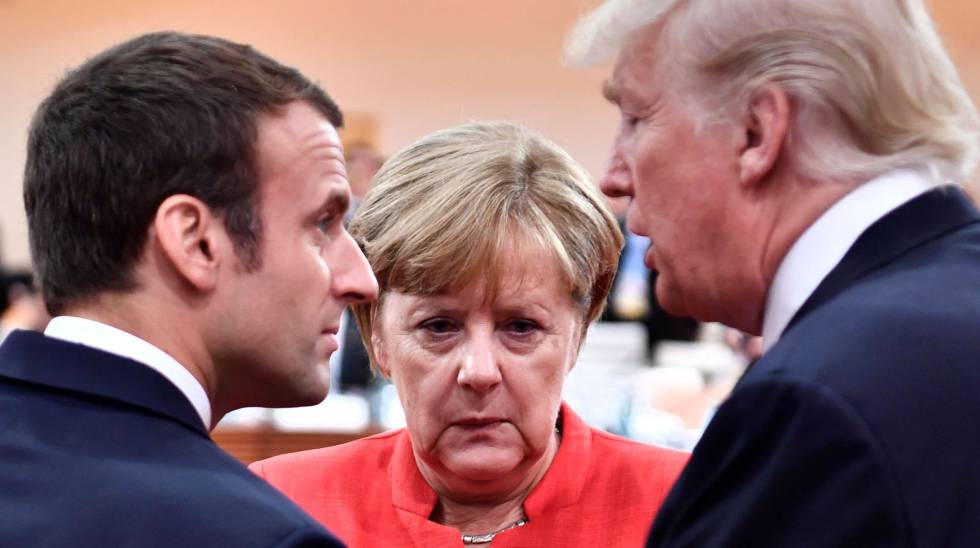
{"x":859,"y":428}
{"x":98,"y":450}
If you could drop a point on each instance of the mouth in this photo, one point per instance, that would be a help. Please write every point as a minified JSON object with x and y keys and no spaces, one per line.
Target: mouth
{"x":649,"y":259}
{"x":476,"y":424}
{"x":329,"y":337}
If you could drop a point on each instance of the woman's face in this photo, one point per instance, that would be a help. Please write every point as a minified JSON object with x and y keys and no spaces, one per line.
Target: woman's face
{"x":481,"y":381}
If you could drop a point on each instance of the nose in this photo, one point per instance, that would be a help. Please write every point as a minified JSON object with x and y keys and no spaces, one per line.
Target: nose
{"x":616,"y":182}
{"x":353,"y":278}
{"x":480,"y":370}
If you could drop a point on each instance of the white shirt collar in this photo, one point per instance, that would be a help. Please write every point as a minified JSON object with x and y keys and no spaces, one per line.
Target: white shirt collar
{"x":823,"y":245}
{"x":115,"y":341}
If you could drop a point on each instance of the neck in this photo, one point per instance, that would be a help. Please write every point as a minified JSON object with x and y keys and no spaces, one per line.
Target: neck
{"x":478,"y":519}
{"x":480,"y":514}
{"x":154,"y":323}
{"x":784,"y":218}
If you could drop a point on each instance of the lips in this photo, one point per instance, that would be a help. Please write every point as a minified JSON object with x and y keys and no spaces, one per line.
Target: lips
{"x":331,"y":344}
{"x":649,"y":259}
{"x":479,"y":423}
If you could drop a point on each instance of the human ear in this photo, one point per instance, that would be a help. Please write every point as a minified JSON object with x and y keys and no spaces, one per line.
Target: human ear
{"x":379,"y":352}
{"x":765,"y":124}
{"x":187,"y":233}
{"x":581,"y":332}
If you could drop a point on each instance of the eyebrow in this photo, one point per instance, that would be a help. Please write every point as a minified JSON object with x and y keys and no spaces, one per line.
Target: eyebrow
{"x":611,"y":92}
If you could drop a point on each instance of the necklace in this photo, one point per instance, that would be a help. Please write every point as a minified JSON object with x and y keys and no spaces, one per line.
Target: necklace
{"x":485,"y":538}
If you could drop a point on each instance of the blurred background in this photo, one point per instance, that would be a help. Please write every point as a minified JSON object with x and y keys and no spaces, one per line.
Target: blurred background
{"x":401,"y":69}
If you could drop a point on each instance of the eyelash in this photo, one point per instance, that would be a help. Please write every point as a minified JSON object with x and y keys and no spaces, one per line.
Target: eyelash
{"x":324,"y":223}
{"x":530,"y":325}
{"x":432,"y":323}
{"x":441,"y":326}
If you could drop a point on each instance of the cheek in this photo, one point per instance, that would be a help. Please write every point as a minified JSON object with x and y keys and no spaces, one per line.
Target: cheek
{"x":647,"y":211}
{"x":319,"y":268}
{"x":647,"y":154}
{"x":424,"y":383}
{"x":538,"y":387}
{"x":653,"y":181}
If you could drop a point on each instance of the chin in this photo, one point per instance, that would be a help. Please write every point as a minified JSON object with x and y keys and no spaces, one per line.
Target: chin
{"x":671,"y":300}
{"x":284,"y":399}
{"x":311,"y":399}
{"x":305,"y":391}
{"x":315,"y":393}
{"x":483,"y":465}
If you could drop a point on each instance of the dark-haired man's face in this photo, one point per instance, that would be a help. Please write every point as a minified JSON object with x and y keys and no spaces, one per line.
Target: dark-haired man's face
{"x":283,"y":319}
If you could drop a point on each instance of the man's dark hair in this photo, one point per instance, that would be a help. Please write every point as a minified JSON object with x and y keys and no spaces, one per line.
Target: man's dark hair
{"x":159,"y":115}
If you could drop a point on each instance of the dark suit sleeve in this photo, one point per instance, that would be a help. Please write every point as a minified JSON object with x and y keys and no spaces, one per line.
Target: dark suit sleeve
{"x":309,"y":537}
{"x":784,"y":463}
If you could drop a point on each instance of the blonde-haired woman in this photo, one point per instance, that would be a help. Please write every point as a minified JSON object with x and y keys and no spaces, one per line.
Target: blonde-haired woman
{"x":494,"y":252}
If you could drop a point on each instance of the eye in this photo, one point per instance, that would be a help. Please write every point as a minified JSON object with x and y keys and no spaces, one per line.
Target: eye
{"x":438,"y":325}
{"x":324,"y":223}
{"x":629,"y":121}
{"x":522,"y":326}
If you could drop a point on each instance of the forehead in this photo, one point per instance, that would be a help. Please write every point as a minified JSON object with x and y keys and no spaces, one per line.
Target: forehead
{"x":300,"y":160}
{"x":294,"y":133}
{"x":635,"y":74}
{"x":517,"y":270}
{"x":511,"y":288}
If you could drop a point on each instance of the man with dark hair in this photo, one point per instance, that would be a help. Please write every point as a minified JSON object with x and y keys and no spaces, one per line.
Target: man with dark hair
{"x":185,"y":198}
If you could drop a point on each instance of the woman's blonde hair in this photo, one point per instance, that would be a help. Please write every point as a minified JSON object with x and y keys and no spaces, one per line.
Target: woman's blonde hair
{"x":443,"y":211}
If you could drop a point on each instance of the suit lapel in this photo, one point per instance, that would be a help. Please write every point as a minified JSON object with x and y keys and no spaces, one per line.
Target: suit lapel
{"x":921,"y":220}
{"x":32,"y":357}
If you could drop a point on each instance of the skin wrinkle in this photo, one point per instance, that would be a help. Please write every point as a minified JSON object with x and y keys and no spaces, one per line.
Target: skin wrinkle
{"x":456,"y":356}
{"x":456,"y":242}
{"x":494,"y":251}
{"x":696,"y":187}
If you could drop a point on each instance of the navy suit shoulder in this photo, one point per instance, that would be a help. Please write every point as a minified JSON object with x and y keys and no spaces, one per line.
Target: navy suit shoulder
{"x":770,"y":472}
{"x":858,"y":427}
{"x":914,"y":322}
{"x":109,"y":453}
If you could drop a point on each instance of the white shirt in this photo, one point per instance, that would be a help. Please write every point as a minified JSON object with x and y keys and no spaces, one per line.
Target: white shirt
{"x":823,"y":245}
{"x":116,"y":341}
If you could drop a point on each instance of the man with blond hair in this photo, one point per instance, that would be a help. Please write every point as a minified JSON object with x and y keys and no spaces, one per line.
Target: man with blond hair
{"x":795,"y":165}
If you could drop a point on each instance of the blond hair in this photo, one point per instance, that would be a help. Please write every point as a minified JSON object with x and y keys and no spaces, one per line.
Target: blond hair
{"x":444,"y":210}
{"x":871,"y":84}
